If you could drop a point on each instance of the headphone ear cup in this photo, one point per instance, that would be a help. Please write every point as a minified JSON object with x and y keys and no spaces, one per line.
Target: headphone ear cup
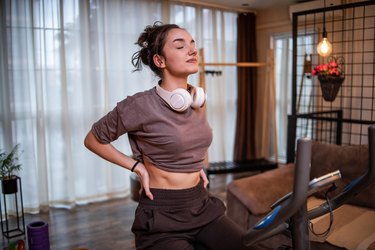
{"x":199,"y":98}
{"x":180,"y":100}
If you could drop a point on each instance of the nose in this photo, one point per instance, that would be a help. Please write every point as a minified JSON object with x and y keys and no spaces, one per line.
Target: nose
{"x":193,"y":50}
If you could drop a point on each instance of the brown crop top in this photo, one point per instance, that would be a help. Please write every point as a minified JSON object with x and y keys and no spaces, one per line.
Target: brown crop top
{"x":172,"y":141}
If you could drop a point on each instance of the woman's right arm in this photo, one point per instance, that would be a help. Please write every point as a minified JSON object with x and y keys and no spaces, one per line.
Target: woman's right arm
{"x":111,"y":154}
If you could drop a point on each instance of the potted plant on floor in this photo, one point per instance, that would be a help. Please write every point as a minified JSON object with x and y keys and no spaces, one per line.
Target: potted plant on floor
{"x":8,"y":167}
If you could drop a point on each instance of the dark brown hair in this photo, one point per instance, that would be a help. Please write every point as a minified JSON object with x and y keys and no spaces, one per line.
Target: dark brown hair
{"x":151,"y":41}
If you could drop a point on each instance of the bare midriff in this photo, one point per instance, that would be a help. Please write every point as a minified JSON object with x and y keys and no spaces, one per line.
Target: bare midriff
{"x":170,"y":180}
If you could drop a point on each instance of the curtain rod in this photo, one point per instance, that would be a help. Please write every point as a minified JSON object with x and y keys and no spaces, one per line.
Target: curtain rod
{"x":212,"y":5}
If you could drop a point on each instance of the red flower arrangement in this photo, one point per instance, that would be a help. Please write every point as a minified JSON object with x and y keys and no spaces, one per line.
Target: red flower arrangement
{"x":328,"y":69}
{"x":330,"y":76}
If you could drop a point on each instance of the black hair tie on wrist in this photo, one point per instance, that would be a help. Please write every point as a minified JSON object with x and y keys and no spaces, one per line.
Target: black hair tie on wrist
{"x":135,"y":164}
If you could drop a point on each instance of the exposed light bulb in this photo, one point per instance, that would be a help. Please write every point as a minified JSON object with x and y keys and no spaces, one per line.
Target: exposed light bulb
{"x":324,"y":47}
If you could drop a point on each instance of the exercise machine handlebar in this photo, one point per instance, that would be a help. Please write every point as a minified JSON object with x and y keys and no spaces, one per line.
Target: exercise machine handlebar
{"x":275,"y":220}
{"x":353,"y":188}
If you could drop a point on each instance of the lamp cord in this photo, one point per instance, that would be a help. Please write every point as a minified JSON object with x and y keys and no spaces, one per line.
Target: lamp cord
{"x":324,"y":20}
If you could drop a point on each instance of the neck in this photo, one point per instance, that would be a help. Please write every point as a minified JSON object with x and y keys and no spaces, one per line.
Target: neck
{"x":171,"y":84}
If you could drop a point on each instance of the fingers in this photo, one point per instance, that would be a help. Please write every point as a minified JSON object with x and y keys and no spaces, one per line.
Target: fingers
{"x":149,"y":194}
{"x":146,"y":188}
{"x":142,"y":172}
{"x":204,"y":178}
{"x":205,"y":183}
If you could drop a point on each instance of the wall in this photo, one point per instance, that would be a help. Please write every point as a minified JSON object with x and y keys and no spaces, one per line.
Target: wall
{"x":269,"y":22}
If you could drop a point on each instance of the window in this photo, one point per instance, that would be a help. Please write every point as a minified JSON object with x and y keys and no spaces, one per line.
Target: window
{"x":283,"y":51}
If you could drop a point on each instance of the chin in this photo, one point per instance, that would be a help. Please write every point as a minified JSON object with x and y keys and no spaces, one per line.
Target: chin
{"x":194,"y":70}
{"x":189,"y":70}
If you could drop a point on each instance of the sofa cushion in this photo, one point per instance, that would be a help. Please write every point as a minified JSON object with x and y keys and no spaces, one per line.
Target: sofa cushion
{"x":346,"y":220}
{"x":352,"y":161}
{"x":259,"y":192}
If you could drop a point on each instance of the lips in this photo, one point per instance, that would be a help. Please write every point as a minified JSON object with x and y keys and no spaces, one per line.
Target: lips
{"x":193,"y":60}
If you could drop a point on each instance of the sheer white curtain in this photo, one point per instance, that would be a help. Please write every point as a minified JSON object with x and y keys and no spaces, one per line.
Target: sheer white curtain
{"x":283,"y":66}
{"x":64,"y":64}
{"x":216,"y":32}
{"x":283,"y":49}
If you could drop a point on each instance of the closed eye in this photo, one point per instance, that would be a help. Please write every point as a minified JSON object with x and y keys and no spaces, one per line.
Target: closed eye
{"x":181,"y":43}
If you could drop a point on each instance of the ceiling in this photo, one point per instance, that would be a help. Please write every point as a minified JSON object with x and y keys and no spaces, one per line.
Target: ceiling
{"x":253,"y":4}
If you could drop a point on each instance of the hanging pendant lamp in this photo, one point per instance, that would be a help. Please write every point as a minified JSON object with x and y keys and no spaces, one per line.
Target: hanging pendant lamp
{"x":324,"y":47}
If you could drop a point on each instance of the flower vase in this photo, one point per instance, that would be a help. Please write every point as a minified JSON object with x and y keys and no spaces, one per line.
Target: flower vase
{"x":330,"y":86}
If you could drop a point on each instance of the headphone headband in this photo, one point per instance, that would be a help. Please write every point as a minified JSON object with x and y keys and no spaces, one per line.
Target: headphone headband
{"x":180,"y":99}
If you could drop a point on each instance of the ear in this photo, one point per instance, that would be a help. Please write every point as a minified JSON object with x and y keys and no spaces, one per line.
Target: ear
{"x":159,"y":61}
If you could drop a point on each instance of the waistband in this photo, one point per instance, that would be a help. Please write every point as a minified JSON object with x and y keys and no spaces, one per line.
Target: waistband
{"x":175,"y":197}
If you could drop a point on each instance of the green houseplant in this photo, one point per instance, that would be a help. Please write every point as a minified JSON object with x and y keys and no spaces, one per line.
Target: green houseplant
{"x":8,"y":167}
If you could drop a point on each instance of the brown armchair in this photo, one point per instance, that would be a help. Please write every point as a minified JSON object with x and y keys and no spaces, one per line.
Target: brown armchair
{"x":249,"y":199}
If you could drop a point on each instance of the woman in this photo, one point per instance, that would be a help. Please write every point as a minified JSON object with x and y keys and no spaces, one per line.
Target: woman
{"x":169,"y":136}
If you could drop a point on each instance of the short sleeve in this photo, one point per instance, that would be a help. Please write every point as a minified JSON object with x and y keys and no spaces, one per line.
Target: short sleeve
{"x":122,"y":119}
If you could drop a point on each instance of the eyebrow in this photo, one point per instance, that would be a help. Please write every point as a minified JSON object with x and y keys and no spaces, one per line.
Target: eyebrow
{"x":183,"y":40}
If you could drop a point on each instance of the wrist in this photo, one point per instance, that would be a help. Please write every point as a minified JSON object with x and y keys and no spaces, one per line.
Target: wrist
{"x":135,"y":165}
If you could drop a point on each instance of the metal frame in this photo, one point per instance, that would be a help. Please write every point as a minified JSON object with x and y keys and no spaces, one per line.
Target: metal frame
{"x":351,"y":29}
{"x":20,"y":218}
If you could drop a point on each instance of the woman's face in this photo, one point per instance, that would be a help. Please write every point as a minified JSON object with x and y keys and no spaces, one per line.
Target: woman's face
{"x":180,"y":57}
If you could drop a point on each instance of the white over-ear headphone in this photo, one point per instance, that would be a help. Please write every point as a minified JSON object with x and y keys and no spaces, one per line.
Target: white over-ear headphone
{"x":180,"y":99}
